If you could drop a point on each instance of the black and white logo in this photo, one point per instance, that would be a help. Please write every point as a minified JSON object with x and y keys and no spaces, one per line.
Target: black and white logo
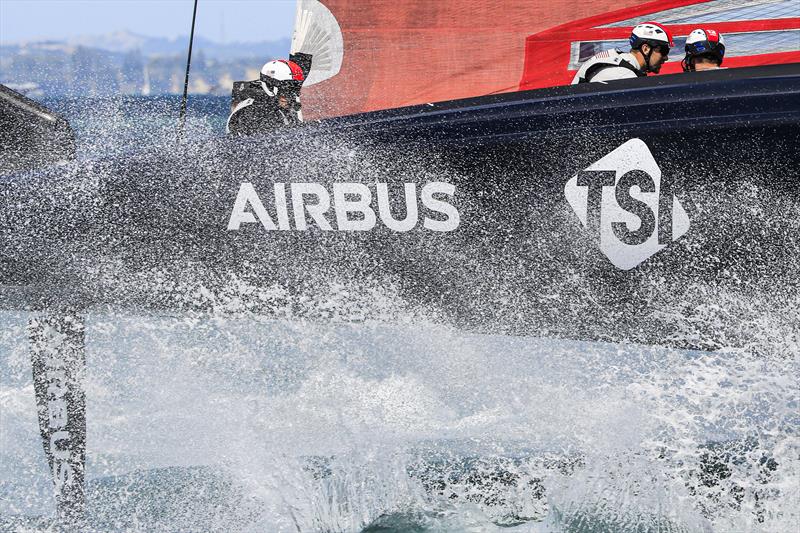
{"x":621,"y":199}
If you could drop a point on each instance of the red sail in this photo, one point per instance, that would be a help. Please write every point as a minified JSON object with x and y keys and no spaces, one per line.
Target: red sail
{"x":404,"y":52}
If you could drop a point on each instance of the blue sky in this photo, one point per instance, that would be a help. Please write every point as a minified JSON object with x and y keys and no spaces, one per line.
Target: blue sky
{"x":219,"y":20}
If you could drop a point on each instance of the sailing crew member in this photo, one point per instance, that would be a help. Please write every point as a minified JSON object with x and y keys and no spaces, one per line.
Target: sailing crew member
{"x":704,"y":50}
{"x":650,"y":44}
{"x":269,"y":103}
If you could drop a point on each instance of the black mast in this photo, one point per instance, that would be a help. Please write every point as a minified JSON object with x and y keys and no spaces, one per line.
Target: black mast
{"x":186,"y":79}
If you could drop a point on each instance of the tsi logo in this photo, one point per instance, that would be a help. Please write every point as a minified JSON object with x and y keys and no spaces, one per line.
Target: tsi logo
{"x":622,"y":200}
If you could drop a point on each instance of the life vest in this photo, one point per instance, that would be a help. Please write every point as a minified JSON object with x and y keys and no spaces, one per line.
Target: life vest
{"x":607,"y":59}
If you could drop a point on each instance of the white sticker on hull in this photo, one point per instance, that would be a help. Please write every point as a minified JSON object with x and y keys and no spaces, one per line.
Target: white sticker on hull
{"x":621,"y":200}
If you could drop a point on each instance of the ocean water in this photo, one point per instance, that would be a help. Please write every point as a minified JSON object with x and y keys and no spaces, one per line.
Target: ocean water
{"x":107,"y":127}
{"x":203,"y":424}
{"x":234,"y":422}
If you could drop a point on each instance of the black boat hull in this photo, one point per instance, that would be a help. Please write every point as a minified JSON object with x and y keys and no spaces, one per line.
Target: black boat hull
{"x":507,"y":236}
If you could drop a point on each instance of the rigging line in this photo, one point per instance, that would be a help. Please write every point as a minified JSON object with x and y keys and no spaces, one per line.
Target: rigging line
{"x":510,"y":88}
{"x":415,"y":101}
{"x":186,"y":79}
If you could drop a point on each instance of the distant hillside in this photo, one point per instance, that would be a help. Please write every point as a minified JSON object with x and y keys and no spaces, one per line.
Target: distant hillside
{"x":125,"y":41}
{"x":127,"y":63}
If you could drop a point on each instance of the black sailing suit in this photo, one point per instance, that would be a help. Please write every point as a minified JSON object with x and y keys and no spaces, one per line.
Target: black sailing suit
{"x":260,"y":111}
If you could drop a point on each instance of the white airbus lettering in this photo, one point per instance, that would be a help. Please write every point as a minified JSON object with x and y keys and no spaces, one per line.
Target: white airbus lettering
{"x":351,"y":205}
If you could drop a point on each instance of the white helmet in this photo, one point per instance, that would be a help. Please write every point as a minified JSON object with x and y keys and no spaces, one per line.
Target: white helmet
{"x":651,"y":33}
{"x":703,"y":43}
{"x":283,"y":75}
{"x":656,"y":36}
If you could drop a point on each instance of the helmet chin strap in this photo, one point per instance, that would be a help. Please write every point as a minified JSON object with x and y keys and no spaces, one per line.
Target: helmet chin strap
{"x":647,"y":67}
{"x":266,"y":89}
